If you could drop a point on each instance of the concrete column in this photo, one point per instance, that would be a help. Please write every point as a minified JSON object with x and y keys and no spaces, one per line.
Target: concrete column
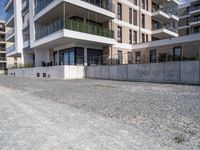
{"x":85,"y":56}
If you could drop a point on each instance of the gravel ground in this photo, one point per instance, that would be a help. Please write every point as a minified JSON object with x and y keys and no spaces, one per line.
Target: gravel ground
{"x":150,"y":116}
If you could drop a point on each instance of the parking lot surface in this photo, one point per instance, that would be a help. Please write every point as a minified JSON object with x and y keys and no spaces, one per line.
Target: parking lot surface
{"x":88,"y":114}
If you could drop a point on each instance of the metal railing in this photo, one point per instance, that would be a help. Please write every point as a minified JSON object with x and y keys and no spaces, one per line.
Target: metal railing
{"x":75,"y":26}
{"x":126,"y":58}
{"x":169,"y":11}
{"x":164,"y":26}
{"x":194,"y":8}
{"x":2,"y":59}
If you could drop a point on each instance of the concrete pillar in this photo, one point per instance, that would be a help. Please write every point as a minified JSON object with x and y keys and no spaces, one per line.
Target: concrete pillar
{"x":85,"y":56}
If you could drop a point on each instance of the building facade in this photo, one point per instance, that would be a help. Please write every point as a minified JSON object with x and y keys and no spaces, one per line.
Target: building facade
{"x":66,"y":32}
{"x":189,"y":18}
{"x":2,"y":48}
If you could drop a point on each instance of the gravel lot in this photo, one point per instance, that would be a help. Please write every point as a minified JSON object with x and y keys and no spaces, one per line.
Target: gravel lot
{"x":98,"y":114}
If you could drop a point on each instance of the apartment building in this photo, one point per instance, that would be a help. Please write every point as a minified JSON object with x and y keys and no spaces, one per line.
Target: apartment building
{"x":66,"y":32}
{"x":2,"y":48}
{"x":189,"y":15}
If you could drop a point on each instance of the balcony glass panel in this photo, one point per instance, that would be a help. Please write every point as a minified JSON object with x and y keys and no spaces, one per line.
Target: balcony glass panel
{"x":10,"y":49}
{"x":41,"y":4}
{"x":74,"y":25}
{"x":9,"y":13}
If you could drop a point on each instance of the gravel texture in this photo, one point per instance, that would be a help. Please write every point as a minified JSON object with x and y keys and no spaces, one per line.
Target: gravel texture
{"x":154,"y":116}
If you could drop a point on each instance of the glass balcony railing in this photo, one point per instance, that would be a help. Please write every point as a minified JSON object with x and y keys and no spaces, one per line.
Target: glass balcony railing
{"x":10,"y":49}
{"x":41,"y":4}
{"x":75,"y":26}
{"x":164,"y":26}
{"x":106,"y":4}
{"x":9,"y":14}
{"x":10,"y":32}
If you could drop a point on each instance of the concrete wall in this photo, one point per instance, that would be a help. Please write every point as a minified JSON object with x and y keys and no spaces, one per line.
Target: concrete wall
{"x":171,"y":72}
{"x":54,"y":72}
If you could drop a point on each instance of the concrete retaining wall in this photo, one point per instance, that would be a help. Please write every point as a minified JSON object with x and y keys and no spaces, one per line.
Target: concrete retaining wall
{"x":53,"y":72}
{"x":171,"y":72}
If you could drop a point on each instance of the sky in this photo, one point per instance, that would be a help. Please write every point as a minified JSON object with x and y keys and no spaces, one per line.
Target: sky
{"x":2,"y":3}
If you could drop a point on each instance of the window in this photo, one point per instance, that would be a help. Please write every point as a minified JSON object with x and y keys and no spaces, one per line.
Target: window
{"x":135,"y":17}
{"x":197,"y":29}
{"x":129,"y":57}
{"x":147,"y":5}
{"x":120,"y":57}
{"x":143,"y":4}
{"x":147,"y":38}
{"x":152,"y":55}
{"x":130,"y":16}
{"x":143,"y":37}
{"x":143,"y":21}
{"x":138,"y":57}
{"x":119,"y":11}
{"x":177,"y":52}
{"x":187,"y":31}
{"x":135,"y":2}
{"x":119,"y":34}
{"x":134,"y":36}
{"x":130,"y":37}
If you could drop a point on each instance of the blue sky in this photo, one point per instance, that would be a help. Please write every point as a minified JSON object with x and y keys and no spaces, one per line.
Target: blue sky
{"x":2,"y":2}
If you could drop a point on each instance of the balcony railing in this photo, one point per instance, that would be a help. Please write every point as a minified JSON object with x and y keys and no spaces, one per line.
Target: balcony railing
{"x":10,"y":49}
{"x":41,"y":4}
{"x":2,"y":59}
{"x":169,"y":11}
{"x":194,"y":8}
{"x":10,"y":32}
{"x":75,"y":26}
{"x":164,"y":26}
{"x":195,"y":19}
{"x":105,"y":4}
{"x":9,"y":14}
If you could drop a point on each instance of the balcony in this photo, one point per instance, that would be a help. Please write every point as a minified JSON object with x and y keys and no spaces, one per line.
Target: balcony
{"x":41,"y":4}
{"x":195,"y":9}
{"x":162,"y":31}
{"x":10,"y":35}
{"x":75,"y":26}
{"x":195,"y":21}
{"x":2,"y":59}
{"x":10,"y":17}
{"x":164,"y":13}
{"x":26,"y":44}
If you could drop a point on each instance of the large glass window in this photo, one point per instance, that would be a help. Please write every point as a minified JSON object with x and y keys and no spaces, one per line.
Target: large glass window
{"x":120,"y":57}
{"x":130,"y":16}
{"x":138,"y":57}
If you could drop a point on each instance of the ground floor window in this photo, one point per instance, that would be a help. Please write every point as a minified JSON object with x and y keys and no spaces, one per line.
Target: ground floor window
{"x":138,"y":57}
{"x":152,"y":55}
{"x":177,"y":53}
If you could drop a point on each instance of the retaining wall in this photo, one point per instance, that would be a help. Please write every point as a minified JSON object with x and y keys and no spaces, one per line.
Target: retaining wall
{"x":53,"y":72}
{"x":172,"y":72}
